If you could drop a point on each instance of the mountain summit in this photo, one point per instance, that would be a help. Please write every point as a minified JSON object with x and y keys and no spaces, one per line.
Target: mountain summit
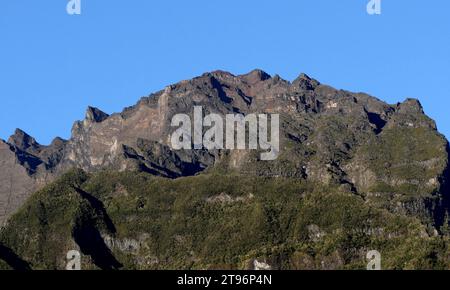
{"x":328,"y":135}
{"x":390,"y":156}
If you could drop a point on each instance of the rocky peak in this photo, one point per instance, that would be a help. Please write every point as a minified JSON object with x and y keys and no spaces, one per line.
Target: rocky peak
{"x":220,"y":74}
{"x":58,"y":142}
{"x":95,"y":115}
{"x":304,"y":82}
{"x":23,"y":141}
{"x":410,"y":106}
{"x":255,"y":76}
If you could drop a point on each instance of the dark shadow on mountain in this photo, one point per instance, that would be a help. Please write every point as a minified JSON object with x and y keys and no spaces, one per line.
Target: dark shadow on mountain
{"x":14,"y":261}
{"x":248,"y":100}
{"x":88,"y":237}
{"x":160,"y":160}
{"x":191,"y":169}
{"x":99,"y":208}
{"x":91,"y":243}
{"x":376,"y":120}
{"x":446,"y":183}
{"x":27,"y":160}
{"x":147,"y":169}
{"x":443,"y":209}
{"x":222,"y":94}
{"x":183,"y":169}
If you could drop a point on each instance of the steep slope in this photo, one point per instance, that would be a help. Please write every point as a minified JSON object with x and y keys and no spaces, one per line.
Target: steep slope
{"x":25,"y":166}
{"x":135,"y":220}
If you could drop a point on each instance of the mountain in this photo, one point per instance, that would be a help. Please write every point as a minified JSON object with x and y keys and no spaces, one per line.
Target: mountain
{"x":352,"y":172}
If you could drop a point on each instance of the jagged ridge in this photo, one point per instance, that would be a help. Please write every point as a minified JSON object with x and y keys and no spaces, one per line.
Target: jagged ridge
{"x":392,"y":155}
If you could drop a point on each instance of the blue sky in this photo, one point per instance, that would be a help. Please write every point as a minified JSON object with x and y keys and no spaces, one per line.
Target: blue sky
{"x":53,"y":65}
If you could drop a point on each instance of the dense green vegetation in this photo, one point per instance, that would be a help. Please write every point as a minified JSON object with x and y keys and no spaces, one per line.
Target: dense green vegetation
{"x":407,"y":154}
{"x":213,"y":221}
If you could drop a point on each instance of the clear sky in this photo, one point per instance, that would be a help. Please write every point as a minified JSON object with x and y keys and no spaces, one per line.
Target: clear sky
{"x":53,"y":65}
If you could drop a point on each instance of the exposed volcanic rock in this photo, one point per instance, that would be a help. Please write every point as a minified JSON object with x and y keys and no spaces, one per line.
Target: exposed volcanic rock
{"x":392,"y":155}
{"x":23,"y":141}
{"x":95,"y":115}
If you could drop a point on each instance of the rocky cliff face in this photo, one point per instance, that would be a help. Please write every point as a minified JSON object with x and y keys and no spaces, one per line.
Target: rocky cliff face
{"x":392,"y":155}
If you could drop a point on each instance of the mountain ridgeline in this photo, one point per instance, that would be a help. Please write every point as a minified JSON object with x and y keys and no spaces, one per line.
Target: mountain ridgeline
{"x":353,"y":174}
